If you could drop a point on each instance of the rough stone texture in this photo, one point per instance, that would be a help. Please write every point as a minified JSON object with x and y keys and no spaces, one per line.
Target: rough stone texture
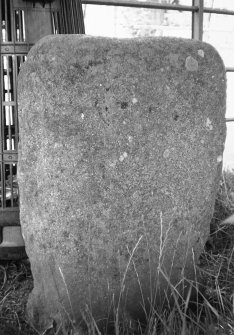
{"x":121,"y":145}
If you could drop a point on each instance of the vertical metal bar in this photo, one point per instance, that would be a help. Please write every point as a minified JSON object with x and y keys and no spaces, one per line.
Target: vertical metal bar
{"x":17,"y":63}
{"x":6,"y":82}
{"x":68,"y":16}
{"x":1,"y":4}
{"x":66,"y":23}
{"x":8,"y":3}
{"x":1,"y":122}
{"x":4,"y":186}
{"x":4,"y":135}
{"x":21,"y":39}
{"x":1,"y":183}
{"x":72,"y":23}
{"x":72,"y":17}
{"x":8,"y":109}
{"x":6,"y":21}
{"x":2,"y":114}
{"x":1,"y":145}
{"x":12,"y":21}
{"x":80,"y":17}
{"x":56,"y":23}
{"x":23,"y":26}
{"x":75,"y":17}
{"x":14,"y":85}
{"x":197,"y":20}
{"x":63,"y":18}
{"x":10,"y":179}
{"x":16,"y":30}
{"x":60,"y":22}
{"x":15,"y":185}
{"x":52,"y":22}
{"x":1,"y":186}
{"x":10,"y":78}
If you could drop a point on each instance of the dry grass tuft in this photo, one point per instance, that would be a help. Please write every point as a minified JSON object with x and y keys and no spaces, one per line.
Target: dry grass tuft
{"x":15,"y":285}
{"x":212,"y":312}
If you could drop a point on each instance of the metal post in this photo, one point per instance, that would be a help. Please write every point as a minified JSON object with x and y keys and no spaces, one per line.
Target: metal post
{"x":197,"y":20}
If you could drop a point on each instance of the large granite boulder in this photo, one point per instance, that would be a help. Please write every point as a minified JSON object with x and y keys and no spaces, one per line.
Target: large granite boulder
{"x":121,"y":145}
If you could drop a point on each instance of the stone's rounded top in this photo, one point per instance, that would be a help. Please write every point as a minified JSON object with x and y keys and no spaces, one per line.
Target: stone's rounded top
{"x":175,"y":47}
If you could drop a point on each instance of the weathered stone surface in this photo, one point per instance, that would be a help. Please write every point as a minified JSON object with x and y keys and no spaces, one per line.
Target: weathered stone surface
{"x":121,"y":145}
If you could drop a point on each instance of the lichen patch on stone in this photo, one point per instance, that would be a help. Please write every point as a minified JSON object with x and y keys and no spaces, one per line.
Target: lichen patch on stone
{"x":191,"y":64}
{"x":166,"y":153}
{"x":130,"y":139}
{"x":209,"y":124}
{"x":201,"y":53}
{"x":123,"y":156}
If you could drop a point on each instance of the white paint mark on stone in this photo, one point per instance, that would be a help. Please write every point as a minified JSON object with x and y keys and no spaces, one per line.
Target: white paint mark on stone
{"x":191,"y":64}
{"x":219,"y":159}
{"x":134,"y":100}
{"x":123,"y":156}
{"x":130,"y":139}
{"x":209,"y":124}
{"x":100,"y":85}
{"x":201,"y":53}
{"x":82,"y":116}
{"x":112,"y":164}
{"x":57,"y":145}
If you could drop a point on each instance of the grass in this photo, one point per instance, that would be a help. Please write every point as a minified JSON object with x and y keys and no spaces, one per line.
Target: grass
{"x":210,"y":313}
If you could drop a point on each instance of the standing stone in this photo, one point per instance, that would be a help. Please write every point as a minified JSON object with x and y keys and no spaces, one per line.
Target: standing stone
{"x":121,"y":145}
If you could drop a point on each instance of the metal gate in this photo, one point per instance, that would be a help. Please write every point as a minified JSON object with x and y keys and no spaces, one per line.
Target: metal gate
{"x":22,"y":24}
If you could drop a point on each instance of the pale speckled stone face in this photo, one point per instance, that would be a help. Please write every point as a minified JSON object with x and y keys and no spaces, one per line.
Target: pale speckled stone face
{"x":121,"y":145}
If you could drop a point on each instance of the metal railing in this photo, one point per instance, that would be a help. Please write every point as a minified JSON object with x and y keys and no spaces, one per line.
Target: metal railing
{"x":153,"y":5}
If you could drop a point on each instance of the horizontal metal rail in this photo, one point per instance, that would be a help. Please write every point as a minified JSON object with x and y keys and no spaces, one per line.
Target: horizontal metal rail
{"x":229,"y":69}
{"x":218,"y":11}
{"x":138,"y":4}
{"x":229,"y":119}
{"x":153,"y":5}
